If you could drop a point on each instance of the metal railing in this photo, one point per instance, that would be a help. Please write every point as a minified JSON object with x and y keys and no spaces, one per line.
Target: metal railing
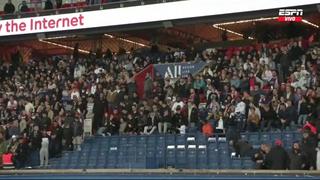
{"x":74,"y":6}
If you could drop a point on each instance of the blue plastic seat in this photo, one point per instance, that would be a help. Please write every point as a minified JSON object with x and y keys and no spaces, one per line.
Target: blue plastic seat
{"x":170,"y":139}
{"x":141,"y":139}
{"x":212,"y":145}
{"x":288,"y":139}
{"x":171,"y":156}
{"x":151,"y":140}
{"x":248,"y":163}
{"x":201,"y":139}
{"x":236,"y":163}
{"x":191,"y":157}
{"x":203,"y":157}
{"x":223,"y":145}
{"x":180,"y":140}
{"x":114,"y":141}
{"x":254,"y":138}
{"x":244,"y":136}
{"x":181,"y":155}
{"x":160,"y":159}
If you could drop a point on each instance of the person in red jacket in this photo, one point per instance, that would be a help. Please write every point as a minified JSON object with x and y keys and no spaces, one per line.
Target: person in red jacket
{"x":207,"y":128}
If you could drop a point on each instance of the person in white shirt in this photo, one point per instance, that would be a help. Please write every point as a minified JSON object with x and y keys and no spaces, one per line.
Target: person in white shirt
{"x":44,"y":152}
{"x":177,"y":103}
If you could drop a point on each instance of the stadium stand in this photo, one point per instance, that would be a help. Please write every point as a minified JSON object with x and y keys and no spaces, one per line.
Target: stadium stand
{"x":110,"y":96}
{"x":51,"y":98}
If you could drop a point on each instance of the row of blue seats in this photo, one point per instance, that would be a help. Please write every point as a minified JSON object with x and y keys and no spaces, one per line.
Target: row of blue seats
{"x":177,"y":161}
{"x":158,"y":151}
{"x":190,"y":138}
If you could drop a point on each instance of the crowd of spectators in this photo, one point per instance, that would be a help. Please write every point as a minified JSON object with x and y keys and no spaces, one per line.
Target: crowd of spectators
{"x":38,"y":5}
{"x":267,"y":87}
{"x":25,"y":6}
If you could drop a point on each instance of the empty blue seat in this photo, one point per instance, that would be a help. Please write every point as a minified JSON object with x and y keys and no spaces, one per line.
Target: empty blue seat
{"x":288,"y":139}
{"x":171,"y":156}
{"x":201,"y":139}
{"x":223,"y":145}
{"x":151,"y":140}
{"x":244,"y":136}
{"x":132,"y":140}
{"x":254,"y":138}
{"x":191,"y":157}
{"x":170,"y":139}
{"x":181,"y":140}
{"x":160,"y":159}
{"x":236,"y":163}
{"x":265,"y":137}
{"x":225,"y":163}
{"x":248,"y":163}
{"x":202,"y":157}
{"x":181,"y":161}
{"x":142,"y":139}
{"x":114,"y":141}
{"x":101,"y":162}
{"x":297,"y":136}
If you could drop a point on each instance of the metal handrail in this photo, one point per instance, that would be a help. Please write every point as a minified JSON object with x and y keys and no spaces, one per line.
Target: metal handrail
{"x":89,"y":7}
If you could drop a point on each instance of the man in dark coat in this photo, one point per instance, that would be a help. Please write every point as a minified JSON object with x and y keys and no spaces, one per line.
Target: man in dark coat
{"x":77,"y":129}
{"x":21,"y":154}
{"x":285,"y":63}
{"x":308,"y":148}
{"x":67,"y":131}
{"x":9,"y":8}
{"x":297,"y":159}
{"x":48,"y":5}
{"x":194,"y":115}
{"x":277,"y":158}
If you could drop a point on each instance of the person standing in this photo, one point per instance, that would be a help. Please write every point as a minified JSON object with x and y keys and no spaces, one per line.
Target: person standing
{"x":9,"y":8}
{"x":277,"y":158}
{"x":77,"y":128}
{"x":44,"y":152}
{"x":21,"y":154}
{"x":48,"y":5}
{"x":24,"y":7}
{"x":297,"y":159}
{"x":58,"y":4}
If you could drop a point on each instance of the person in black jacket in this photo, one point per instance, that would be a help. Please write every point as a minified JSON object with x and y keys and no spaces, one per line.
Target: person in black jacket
{"x":152,"y":121}
{"x":297,"y":159}
{"x":48,"y":5}
{"x":304,"y":110}
{"x":308,"y":148}
{"x":260,"y":157}
{"x":268,"y":118}
{"x":277,"y":158}
{"x":285,"y":63}
{"x":55,"y":145}
{"x":35,"y":144}
{"x":77,"y":129}
{"x":67,"y":131}
{"x":9,"y":8}
{"x":21,"y":154}
{"x":179,"y":122}
{"x":24,"y":7}
{"x":165,"y":118}
{"x":131,"y":127}
{"x":59,"y":4}
{"x":193,"y":115}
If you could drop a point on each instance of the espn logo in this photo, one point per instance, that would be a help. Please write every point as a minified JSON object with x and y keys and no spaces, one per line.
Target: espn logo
{"x":290,"y":15}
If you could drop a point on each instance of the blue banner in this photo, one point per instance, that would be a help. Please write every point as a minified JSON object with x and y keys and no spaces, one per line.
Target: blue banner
{"x":175,"y":70}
